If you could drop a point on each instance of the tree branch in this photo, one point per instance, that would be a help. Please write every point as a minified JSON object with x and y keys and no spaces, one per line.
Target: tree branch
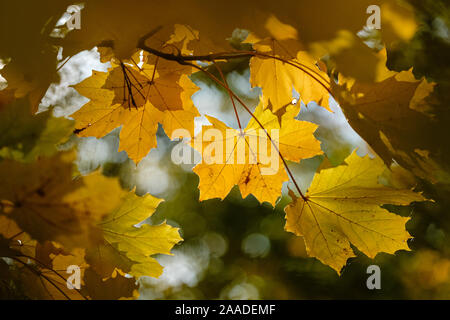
{"x":182,"y":59}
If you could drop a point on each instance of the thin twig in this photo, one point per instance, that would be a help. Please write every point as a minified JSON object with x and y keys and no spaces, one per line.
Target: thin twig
{"x":231,"y":96}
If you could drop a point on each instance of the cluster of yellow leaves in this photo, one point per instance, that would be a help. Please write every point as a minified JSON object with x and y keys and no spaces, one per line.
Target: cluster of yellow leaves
{"x":90,"y":220}
{"x":138,"y":98}
{"x":51,"y":218}
{"x":282,"y":64}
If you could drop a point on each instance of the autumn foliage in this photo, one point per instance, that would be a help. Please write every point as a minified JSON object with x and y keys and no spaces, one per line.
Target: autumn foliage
{"x":51,"y":216}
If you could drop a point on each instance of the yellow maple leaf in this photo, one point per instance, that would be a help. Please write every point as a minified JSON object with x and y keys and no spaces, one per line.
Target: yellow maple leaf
{"x":242,"y":163}
{"x":158,"y":93}
{"x":129,"y":246}
{"x":343,"y":207}
{"x":293,"y":68}
{"x":156,"y":83}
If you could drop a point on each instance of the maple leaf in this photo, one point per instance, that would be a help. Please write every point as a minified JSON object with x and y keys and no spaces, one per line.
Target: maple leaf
{"x":295,"y":142}
{"x":137,"y":99}
{"x":292,"y":68}
{"x":156,"y":83}
{"x":343,"y":207}
{"x":392,"y":115}
{"x":92,"y":213}
{"x":130,"y":247}
{"x":351,"y":57}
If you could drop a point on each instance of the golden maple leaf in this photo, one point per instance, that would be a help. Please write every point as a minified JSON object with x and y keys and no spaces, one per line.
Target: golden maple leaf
{"x":137,"y":99}
{"x":343,"y":207}
{"x":295,"y":142}
{"x":292,"y":68}
{"x":130,"y":247}
{"x":156,"y":83}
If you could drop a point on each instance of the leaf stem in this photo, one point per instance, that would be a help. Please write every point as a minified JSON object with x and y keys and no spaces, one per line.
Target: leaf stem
{"x":231,"y":96}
